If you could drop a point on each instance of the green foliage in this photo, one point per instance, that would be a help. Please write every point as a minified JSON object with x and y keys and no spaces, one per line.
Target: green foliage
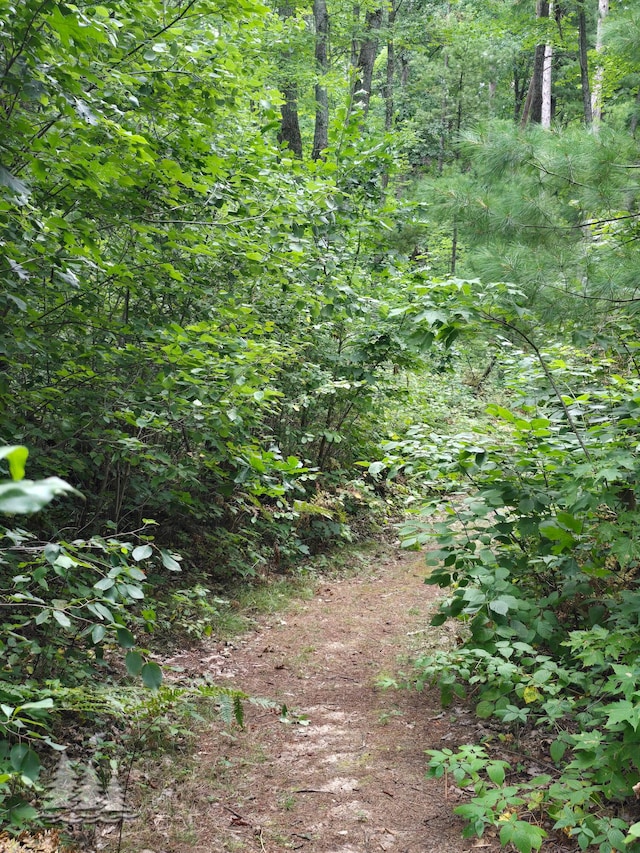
{"x":199,"y":329}
{"x":494,"y":803}
{"x":20,"y":496}
{"x":541,"y":563}
{"x":61,"y":605}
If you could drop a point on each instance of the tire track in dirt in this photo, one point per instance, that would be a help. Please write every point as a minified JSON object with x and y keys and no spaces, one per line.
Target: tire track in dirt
{"x":346,"y":774}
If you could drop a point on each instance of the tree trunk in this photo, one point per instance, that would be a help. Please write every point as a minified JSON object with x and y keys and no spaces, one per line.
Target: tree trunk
{"x":454,"y":250}
{"x":444,"y":114}
{"x":321,"y":131}
{"x":519,"y":89}
{"x":584,"y":65}
{"x":532,"y":111}
{"x":596,"y":98}
{"x":354,"y":40}
{"x":389,"y":105}
{"x":635,"y":118}
{"x":545,"y":113}
{"x":366,"y":59}
{"x":459,"y":106}
{"x":404,"y":70}
{"x":391,"y":68}
{"x":289,"y":132}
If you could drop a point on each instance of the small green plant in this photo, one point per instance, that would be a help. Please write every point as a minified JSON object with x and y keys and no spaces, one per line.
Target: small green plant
{"x":494,"y":804}
{"x":287,"y":802}
{"x":385,"y":717}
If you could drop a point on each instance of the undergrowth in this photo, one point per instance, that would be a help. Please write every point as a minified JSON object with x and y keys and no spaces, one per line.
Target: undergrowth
{"x":538,"y":549}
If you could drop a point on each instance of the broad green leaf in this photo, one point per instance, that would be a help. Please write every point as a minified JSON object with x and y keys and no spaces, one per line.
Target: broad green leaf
{"x":151,"y":675}
{"x":51,"y":552}
{"x":35,"y":706}
{"x":30,"y":496}
{"x":495,"y":772}
{"x":499,"y":606}
{"x":485,"y":709}
{"x":557,"y":750}
{"x":142,"y":552}
{"x":134,"y":591}
{"x":17,"y":457}
{"x":61,"y":618}
{"x":169,"y":562}
{"x":125,"y":638}
{"x":376,"y":468}
{"x":634,"y":832}
{"x":98,"y":633}
{"x":100,"y":611}
{"x":24,"y":760}
{"x":7,"y":179}
{"x":622,"y":712}
{"x":570,"y":521}
{"x":133,"y":662}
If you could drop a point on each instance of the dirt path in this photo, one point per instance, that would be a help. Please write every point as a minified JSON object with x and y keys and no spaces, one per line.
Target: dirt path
{"x":347,"y":775}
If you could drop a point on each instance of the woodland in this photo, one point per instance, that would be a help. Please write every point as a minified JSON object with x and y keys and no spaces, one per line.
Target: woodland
{"x":275,"y":275}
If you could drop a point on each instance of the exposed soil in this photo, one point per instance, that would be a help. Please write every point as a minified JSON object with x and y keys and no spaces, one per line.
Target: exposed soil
{"x":346,"y":774}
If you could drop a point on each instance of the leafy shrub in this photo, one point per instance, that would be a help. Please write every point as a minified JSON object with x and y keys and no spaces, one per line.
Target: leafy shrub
{"x":63,"y":604}
{"x":541,"y":562}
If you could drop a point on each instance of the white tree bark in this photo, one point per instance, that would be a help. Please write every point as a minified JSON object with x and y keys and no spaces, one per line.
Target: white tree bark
{"x":596,"y":97}
{"x":545,"y":118}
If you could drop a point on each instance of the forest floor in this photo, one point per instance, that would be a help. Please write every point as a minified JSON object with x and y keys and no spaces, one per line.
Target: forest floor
{"x":346,"y":772}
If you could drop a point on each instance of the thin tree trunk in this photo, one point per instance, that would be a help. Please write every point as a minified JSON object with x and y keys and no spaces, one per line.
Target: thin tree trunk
{"x":635,"y":118}
{"x":289,"y":132}
{"x":545,"y":113}
{"x":459,"y":107}
{"x":493,"y":88}
{"x":321,"y":131}
{"x":584,"y":66}
{"x":404,"y":70}
{"x":536,"y":96}
{"x":519,"y":92}
{"x":354,"y":40}
{"x":444,"y":115}
{"x":454,"y":250}
{"x":596,"y":98}
{"x":526,"y":109}
{"x":532,"y":111}
{"x":391,"y":68}
{"x":366,"y":59}
{"x":389,"y":105}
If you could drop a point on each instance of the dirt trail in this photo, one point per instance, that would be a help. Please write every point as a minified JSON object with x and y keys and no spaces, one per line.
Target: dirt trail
{"x":348,"y":776}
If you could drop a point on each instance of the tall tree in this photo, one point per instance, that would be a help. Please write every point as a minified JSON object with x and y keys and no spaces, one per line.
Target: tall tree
{"x":532,"y":111}
{"x":321,"y":129}
{"x":584,"y":64}
{"x":391,"y":67}
{"x":289,"y":132}
{"x":596,"y":102}
{"x":547,"y":68}
{"x":366,"y":59}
